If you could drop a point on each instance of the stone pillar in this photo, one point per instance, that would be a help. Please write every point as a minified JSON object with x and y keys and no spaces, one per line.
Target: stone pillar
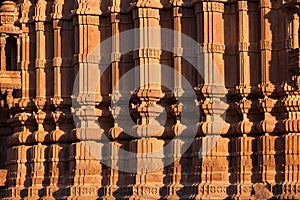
{"x":21,"y":170}
{"x":295,"y":31}
{"x":290,"y":186}
{"x":175,"y":170}
{"x":148,"y":179}
{"x":266,"y":40}
{"x":147,"y":56}
{"x":18,"y":166}
{"x":290,"y":148}
{"x":241,"y":152}
{"x":111,"y":180}
{"x":24,"y":65}
{"x":266,"y":142}
{"x":2,"y":52}
{"x":210,"y":34}
{"x":57,"y":60}
{"x":40,"y":17}
{"x":37,"y":159}
{"x":242,"y":146}
{"x":210,"y":167}
{"x":37,"y":152}
{"x":243,"y":89}
{"x":85,"y":167}
{"x":115,"y":182}
{"x":86,"y":149}
{"x":57,"y":174}
{"x":115,"y":55}
{"x":243,"y":45}
{"x":57,"y":152}
{"x":178,"y":50}
{"x":18,"y":59}
{"x":211,"y":63}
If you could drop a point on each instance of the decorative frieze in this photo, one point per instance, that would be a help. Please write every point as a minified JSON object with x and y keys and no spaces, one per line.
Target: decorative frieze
{"x":213,"y":6}
{"x":265,"y":45}
{"x":147,"y":53}
{"x":10,"y":80}
{"x":213,"y":48}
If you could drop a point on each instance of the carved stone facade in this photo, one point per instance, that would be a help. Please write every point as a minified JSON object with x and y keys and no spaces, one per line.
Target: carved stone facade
{"x":44,"y":45}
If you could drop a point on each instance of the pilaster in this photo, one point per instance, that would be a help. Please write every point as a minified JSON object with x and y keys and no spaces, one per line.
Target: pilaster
{"x":86,"y":169}
{"x":148,"y":181}
{"x":2,"y":52}
{"x":209,"y":16}
{"x":112,"y":176}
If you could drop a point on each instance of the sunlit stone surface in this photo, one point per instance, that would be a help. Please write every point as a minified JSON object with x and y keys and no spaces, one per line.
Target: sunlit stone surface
{"x":62,"y":138}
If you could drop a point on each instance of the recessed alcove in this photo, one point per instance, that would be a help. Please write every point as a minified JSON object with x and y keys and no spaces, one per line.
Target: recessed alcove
{"x":11,"y":53}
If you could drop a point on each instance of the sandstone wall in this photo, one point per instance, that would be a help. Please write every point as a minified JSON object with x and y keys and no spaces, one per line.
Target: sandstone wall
{"x":253,"y":153}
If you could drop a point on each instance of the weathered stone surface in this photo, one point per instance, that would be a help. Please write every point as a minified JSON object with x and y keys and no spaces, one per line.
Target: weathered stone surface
{"x":57,"y":121}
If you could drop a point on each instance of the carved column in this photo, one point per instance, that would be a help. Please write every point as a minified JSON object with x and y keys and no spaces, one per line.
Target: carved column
{"x":2,"y":51}
{"x":17,"y":160}
{"x":25,"y":60}
{"x":57,"y":152}
{"x":175,"y":170}
{"x":243,"y":45}
{"x":266,"y":40}
{"x":148,"y":180}
{"x":115,"y":55}
{"x":266,"y":104}
{"x":210,"y":167}
{"x":178,"y":50}
{"x":40,"y":100}
{"x":37,"y":153}
{"x":21,"y":121}
{"x":27,"y":25}
{"x":210,"y":35}
{"x":112,"y":175}
{"x":211,"y":63}
{"x":147,"y":56}
{"x":295,"y":31}
{"x":40,"y":17}
{"x":85,"y":152}
{"x":57,"y":60}
{"x":266,"y":142}
{"x":242,"y":146}
{"x":37,"y":159}
{"x":244,"y":88}
{"x":291,"y":148}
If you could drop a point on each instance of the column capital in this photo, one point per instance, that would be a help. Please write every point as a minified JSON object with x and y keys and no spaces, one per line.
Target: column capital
{"x":87,"y":8}
{"x":177,"y":3}
{"x":40,"y":11}
{"x":57,"y":9}
{"x":39,"y":26}
{"x":146,"y":4}
{"x":209,"y":6}
{"x":242,"y":5}
{"x":115,"y":6}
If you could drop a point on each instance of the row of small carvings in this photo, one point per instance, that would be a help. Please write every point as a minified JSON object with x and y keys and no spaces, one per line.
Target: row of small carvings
{"x":105,"y":8}
{"x":203,"y":129}
{"x":283,"y":191}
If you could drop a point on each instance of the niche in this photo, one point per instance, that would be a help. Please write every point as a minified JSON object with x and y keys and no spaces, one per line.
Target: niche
{"x":11,"y":53}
